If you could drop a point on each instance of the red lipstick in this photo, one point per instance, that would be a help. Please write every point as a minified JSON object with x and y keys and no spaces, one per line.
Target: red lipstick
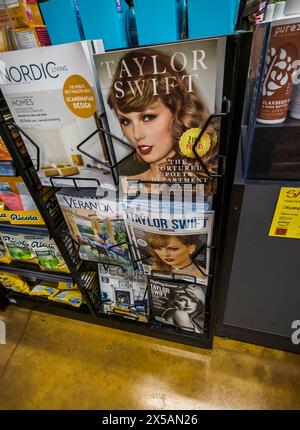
{"x":145,"y":149}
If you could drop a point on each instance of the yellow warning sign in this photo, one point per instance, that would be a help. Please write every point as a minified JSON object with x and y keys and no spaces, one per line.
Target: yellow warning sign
{"x":286,"y":219}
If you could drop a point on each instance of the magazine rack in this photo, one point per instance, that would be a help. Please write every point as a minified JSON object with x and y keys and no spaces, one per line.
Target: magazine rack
{"x":12,"y":123}
{"x":161,"y":275}
{"x":56,"y":230}
{"x":111,"y":167}
{"x":198,"y":252}
{"x":123,"y":272}
{"x":105,"y":134}
{"x":226,"y":104}
{"x":131,"y":246}
{"x":108,"y":166}
{"x":75,"y":182}
{"x":85,"y":273}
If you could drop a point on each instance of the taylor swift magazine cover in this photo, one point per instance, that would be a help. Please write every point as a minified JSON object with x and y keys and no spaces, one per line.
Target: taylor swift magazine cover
{"x":158,"y":99}
{"x":171,"y":238}
{"x":178,"y":303}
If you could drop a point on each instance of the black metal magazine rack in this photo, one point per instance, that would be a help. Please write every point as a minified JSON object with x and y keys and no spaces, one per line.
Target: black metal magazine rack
{"x":85,"y":273}
{"x":54,"y":227}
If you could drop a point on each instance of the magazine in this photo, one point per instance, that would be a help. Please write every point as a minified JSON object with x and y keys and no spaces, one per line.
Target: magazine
{"x":123,"y":293}
{"x":51,"y":93}
{"x":96,"y":223}
{"x":179,"y":303}
{"x":158,"y":99}
{"x":171,"y":237}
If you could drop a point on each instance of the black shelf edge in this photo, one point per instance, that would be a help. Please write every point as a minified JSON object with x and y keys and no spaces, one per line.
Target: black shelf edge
{"x":153,"y":329}
{"x":288,"y":122}
{"x":29,"y":270}
{"x":38,"y":303}
{"x":254,"y":337}
{"x":29,"y":227}
{"x":266,"y":181}
{"x":44,"y":305}
{"x":41,"y":304}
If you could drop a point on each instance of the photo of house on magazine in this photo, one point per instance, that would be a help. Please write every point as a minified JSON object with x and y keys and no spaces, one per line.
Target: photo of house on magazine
{"x":123,"y":293}
{"x":51,"y":93}
{"x":96,"y":224}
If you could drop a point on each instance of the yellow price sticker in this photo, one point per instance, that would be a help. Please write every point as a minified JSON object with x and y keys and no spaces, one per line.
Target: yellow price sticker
{"x":187,"y":140}
{"x":286,"y":218}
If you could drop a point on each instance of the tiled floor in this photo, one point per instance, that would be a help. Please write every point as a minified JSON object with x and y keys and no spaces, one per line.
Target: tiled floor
{"x":51,"y":362}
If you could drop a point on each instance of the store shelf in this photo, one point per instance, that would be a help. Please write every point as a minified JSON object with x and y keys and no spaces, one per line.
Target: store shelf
{"x":89,"y":276}
{"x":30,"y":229}
{"x":33,"y":270}
{"x":3,"y":299}
{"x":153,"y":329}
{"x":43,"y":304}
{"x":56,"y":218}
{"x":275,"y":151}
{"x":289,"y":122}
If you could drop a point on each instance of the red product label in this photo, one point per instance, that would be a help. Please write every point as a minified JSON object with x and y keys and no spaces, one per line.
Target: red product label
{"x":43,"y":35}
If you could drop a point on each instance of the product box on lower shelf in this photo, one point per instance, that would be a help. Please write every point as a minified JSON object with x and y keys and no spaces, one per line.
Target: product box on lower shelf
{"x":30,"y":247}
{"x":7,"y":167}
{"x":33,"y":37}
{"x":55,"y":291}
{"x":14,"y":283}
{"x":4,"y":153}
{"x":18,"y":141}
{"x":20,"y":13}
{"x":17,"y":205}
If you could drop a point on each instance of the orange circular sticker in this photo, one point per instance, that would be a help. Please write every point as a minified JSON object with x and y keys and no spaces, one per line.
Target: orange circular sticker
{"x":187,"y":141}
{"x":79,"y":96}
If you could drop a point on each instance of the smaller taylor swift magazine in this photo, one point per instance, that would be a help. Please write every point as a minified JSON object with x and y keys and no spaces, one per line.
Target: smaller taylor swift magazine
{"x":96,"y":223}
{"x":178,"y":302}
{"x":171,"y":237}
{"x":158,"y":99}
{"x":51,"y":93}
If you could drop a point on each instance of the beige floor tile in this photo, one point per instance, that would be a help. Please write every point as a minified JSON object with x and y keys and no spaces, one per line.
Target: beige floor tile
{"x":65,"y":364}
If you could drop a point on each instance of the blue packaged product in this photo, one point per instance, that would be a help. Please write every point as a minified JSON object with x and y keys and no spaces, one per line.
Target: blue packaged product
{"x":7,"y":168}
{"x":208,"y":18}
{"x":159,"y":21}
{"x":107,"y":20}
{"x":62,"y":21}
